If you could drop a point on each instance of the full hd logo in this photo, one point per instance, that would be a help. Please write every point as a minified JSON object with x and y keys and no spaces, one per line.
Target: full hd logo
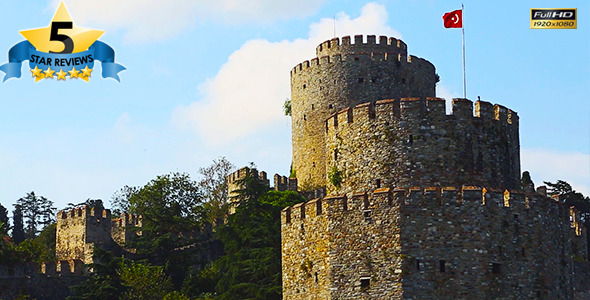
{"x":61,"y":51}
{"x":553,"y":18}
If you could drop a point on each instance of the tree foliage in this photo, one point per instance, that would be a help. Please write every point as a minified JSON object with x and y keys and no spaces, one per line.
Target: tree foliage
{"x":37,"y":212}
{"x":251,"y":266}
{"x":18,"y":230}
{"x":214,"y":188}
{"x":4,"y":221}
{"x":570,"y":197}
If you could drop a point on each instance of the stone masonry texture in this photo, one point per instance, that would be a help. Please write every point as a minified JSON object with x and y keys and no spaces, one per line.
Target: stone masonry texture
{"x":421,"y":204}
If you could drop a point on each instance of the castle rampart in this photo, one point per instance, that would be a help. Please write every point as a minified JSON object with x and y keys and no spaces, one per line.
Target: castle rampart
{"x":423,"y":243}
{"x":413,"y":142}
{"x":344,"y":75}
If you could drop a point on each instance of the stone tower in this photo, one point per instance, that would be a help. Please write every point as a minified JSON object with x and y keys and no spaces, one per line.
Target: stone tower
{"x":421,"y":204}
{"x":343,"y":75}
{"x":80,"y":229}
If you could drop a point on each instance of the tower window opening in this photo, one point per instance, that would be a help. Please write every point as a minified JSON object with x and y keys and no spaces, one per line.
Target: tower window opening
{"x":410,"y":139}
{"x":442,"y":266}
{"x":304,"y":118}
{"x":361,"y":80}
{"x":330,"y":106}
{"x":356,"y":58}
{"x":304,"y":86}
{"x":373,"y":79}
{"x":418,"y":264}
{"x":316,"y":277}
{"x":312,"y":106}
{"x":522,"y":251}
{"x":365,"y":282}
{"x":496,"y":268}
{"x":378,"y":183}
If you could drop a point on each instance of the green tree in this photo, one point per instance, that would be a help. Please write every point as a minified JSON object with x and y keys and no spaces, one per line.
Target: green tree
{"x":171,"y":207}
{"x":38,"y":212}
{"x":287,"y":107}
{"x":214,"y":188}
{"x":18,"y":231}
{"x":251,"y":266}
{"x":4,"y":221}
{"x":143,"y":281}
{"x":570,"y":197}
{"x":104,"y":282}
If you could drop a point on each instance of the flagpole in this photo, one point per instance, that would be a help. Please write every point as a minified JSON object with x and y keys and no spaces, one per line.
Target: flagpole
{"x":463,"y":30}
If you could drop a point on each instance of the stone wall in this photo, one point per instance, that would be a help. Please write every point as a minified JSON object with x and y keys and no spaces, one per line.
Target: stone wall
{"x":424,"y":243}
{"x":343,"y":75}
{"x":413,"y":142}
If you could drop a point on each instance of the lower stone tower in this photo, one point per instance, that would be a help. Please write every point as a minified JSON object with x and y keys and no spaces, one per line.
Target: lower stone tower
{"x":80,"y":229}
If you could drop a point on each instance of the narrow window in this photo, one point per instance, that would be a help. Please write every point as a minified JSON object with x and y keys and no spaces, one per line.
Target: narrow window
{"x":336,"y":154}
{"x":361,"y":80}
{"x":522,"y":252}
{"x":312,"y":106}
{"x":288,"y":216}
{"x":378,"y":183}
{"x":442,"y":266}
{"x":318,"y":207}
{"x":316,"y":277}
{"x":330,"y":106}
{"x":304,"y":118}
{"x":496,"y":268}
{"x":365,"y":282}
{"x":410,"y":139}
{"x":304,"y":86}
{"x":418,"y":264}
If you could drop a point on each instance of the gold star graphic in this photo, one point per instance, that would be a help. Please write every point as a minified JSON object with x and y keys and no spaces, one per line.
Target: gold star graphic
{"x":74,"y":73}
{"x":62,"y":36}
{"x":61,"y":75}
{"x":36,"y":72}
{"x":49,"y":73}
{"x":86,"y":72}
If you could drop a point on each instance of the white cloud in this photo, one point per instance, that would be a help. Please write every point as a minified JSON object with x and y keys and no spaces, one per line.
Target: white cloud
{"x":249,"y":90}
{"x":545,"y":165}
{"x":144,"y":20}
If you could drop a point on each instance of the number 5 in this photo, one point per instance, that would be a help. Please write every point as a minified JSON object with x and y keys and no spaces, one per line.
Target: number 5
{"x":66,"y":40}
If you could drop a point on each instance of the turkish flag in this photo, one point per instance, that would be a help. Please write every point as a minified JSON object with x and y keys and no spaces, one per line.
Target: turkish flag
{"x":453,"y":19}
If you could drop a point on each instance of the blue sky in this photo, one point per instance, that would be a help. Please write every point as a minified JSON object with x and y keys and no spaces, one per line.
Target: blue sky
{"x":206,"y":80}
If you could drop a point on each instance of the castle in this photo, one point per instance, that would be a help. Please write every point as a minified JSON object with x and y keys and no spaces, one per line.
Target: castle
{"x":421,"y":204}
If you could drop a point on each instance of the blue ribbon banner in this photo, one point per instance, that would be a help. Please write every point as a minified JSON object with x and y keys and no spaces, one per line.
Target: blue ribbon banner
{"x":25,"y":51}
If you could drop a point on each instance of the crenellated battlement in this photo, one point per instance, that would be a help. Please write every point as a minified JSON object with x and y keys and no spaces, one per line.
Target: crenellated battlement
{"x":128,"y":219}
{"x":362,"y":44}
{"x":83,"y":212}
{"x":69,"y":267}
{"x":232,"y":178}
{"x":471,"y":197}
{"x":417,"y":109}
{"x":392,"y":59}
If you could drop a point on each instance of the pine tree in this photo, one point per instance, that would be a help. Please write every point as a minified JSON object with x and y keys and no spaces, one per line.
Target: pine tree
{"x":18,"y":231}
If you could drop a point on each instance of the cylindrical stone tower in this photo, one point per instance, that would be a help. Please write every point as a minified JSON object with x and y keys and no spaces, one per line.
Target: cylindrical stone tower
{"x":344,"y":75}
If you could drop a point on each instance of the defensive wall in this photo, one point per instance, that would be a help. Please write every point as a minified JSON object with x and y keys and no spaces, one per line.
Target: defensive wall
{"x":425,"y":243}
{"x":342,"y":75}
{"x":46,"y":281}
{"x":413,"y":142}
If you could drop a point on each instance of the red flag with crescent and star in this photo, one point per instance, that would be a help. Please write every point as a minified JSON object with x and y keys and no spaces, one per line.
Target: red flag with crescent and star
{"x":453,"y":19}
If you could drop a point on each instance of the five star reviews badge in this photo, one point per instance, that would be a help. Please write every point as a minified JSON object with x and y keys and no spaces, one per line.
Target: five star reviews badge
{"x":61,"y":50}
